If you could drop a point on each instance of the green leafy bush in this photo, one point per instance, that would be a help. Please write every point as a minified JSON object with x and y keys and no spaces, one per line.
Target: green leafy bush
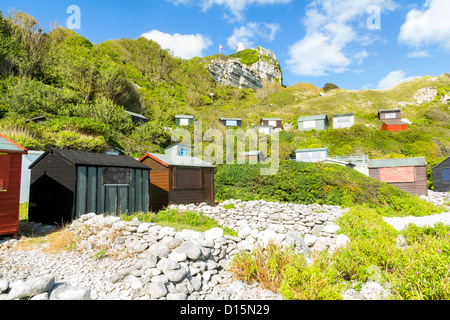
{"x":309,"y":183}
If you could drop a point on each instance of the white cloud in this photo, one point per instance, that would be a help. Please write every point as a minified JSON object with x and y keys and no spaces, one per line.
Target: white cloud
{"x":429,"y":26}
{"x":393,"y":78}
{"x":236,"y":7}
{"x":331,"y":27}
{"x":316,"y":55}
{"x":419,"y":54}
{"x":185,"y":46}
{"x":251,"y":32}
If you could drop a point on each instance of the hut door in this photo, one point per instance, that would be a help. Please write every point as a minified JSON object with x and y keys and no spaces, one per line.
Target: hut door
{"x":208,"y":187}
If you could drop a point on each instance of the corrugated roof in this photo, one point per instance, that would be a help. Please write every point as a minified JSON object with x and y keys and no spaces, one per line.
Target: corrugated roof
{"x":402,"y":162}
{"x":136,"y":115}
{"x":184,"y":116}
{"x":94,"y":159}
{"x":312,"y":149}
{"x":175,"y":160}
{"x":343,"y":115}
{"x":316,"y":117}
{"x":8,"y":145}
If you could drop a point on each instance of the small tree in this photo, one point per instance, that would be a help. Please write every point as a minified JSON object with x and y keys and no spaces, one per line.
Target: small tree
{"x":329,"y":86}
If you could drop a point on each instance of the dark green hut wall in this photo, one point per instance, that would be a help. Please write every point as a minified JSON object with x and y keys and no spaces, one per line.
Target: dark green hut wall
{"x":94,"y":196}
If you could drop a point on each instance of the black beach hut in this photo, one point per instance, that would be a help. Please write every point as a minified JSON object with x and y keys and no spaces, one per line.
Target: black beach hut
{"x":441,"y":176}
{"x":66,"y":184}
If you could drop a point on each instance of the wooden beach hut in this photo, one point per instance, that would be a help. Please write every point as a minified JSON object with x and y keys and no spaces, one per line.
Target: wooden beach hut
{"x":407,"y":174}
{"x":394,"y":126}
{"x":179,"y":180}
{"x":276,"y":123}
{"x":66,"y":184}
{"x":184,"y":120}
{"x":311,"y":155}
{"x":441,"y":176}
{"x":10,"y":176}
{"x":390,"y":114}
{"x":317,"y":122}
{"x":343,"y":120}
{"x":137,"y":118}
{"x":231,"y":122}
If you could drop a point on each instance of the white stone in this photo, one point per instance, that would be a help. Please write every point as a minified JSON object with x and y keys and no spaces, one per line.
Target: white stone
{"x":309,"y":239}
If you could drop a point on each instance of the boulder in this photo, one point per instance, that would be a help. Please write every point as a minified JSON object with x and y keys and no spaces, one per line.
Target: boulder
{"x":31,"y":287}
{"x":67,"y":292}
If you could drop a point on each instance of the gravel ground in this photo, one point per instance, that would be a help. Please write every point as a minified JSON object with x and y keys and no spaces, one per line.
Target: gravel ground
{"x":66,"y":266}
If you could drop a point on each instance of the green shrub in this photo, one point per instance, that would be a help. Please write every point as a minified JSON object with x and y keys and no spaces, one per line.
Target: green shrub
{"x":309,"y":183}
{"x":283,"y":269}
{"x":187,"y":218}
{"x":423,"y":272}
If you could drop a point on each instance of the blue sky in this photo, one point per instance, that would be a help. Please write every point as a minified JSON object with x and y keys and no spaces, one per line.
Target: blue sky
{"x":366,"y":44}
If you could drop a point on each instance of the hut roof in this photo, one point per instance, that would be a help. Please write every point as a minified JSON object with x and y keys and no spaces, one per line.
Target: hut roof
{"x":441,"y":163}
{"x":93,"y":159}
{"x":269,"y":119}
{"x":10,"y":146}
{"x":136,"y":115}
{"x":343,"y":115}
{"x":315,"y":117}
{"x":401,"y":162}
{"x":390,"y":110}
{"x":312,"y":149}
{"x":174,"y":160}
{"x":184,"y":116}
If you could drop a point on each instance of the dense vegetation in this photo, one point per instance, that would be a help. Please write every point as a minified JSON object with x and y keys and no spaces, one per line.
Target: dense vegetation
{"x":417,"y":271}
{"x":308,"y":183}
{"x":85,"y":89}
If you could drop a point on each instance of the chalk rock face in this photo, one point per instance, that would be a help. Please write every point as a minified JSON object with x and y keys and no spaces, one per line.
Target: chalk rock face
{"x":237,"y":74}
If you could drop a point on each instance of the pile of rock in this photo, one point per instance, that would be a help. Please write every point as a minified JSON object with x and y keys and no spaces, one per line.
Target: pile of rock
{"x":260,"y":220}
{"x":141,"y":260}
{"x":170,"y":264}
{"x":42,"y":288}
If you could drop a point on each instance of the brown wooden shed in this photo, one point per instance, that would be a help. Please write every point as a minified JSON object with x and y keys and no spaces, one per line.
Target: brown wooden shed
{"x":10,"y":175}
{"x":407,"y":174}
{"x":276,"y":123}
{"x":179,"y":180}
{"x":390,"y":114}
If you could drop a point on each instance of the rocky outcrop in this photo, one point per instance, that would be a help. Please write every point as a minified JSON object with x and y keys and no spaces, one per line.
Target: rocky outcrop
{"x":237,"y":74}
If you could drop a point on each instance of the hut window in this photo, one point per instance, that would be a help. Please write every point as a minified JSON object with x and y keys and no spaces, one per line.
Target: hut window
{"x":446,"y":174}
{"x":389,"y":116}
{"x":187,"y":178}
{"x":397,"y":174}
{"x":309,"y":124}
{"x":4,"y":172}
{"x":117,"y":176}
{"x":342,"y":119}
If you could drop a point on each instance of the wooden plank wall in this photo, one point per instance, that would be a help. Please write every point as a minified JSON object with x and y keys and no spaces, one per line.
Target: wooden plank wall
{"x":159,"y":185}
{"x":52,"y":190}
{"x":419,"y":187}
{"x":94,"y":196}
{"x":9,"y":200}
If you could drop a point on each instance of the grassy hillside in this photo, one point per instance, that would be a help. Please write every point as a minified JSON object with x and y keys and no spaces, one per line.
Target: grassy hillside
{"x":85,"y":89}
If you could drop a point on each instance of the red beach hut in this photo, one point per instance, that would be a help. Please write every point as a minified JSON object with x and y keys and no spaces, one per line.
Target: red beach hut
{"x":10,"y":172}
